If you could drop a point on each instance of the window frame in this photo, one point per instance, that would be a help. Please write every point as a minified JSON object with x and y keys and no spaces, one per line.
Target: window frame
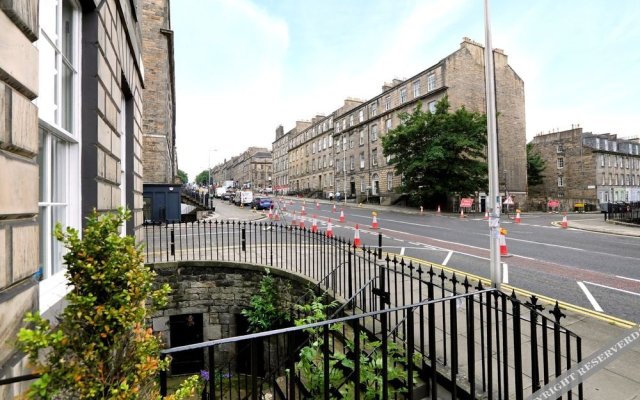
{"x":416,"y":88}
{"x":431,"y":81}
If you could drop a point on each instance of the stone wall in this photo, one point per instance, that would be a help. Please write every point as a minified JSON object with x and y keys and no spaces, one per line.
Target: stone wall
{"x":112,"y":110}
{"x":159,"y":101}
{"x":218,"y":290}
{"x":19,"y":178}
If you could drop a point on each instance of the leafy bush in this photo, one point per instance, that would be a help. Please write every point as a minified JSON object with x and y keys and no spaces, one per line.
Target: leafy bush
{"x":100,"y":347}
{"x":342,"y":365}
{"x":267,"y":308}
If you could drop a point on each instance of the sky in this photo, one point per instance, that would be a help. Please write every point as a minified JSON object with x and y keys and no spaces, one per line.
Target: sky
{"x":244,"y":67}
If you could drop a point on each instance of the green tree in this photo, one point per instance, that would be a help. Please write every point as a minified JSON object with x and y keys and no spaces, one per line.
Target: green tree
{"x":535,"y":166}
{"x":101,"y":346}
{"x":184,"y":178}
{"x":203,"y":177}
{"x":440,"y":153}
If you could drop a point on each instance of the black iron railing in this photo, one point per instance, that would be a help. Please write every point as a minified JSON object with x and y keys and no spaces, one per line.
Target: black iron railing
{"x":622,"y":212}
{"x":471,"y":341}
{"x":485,"y":354}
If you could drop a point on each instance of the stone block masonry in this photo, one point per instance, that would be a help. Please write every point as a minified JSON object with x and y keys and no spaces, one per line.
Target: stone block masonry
{"x":219,"y":291}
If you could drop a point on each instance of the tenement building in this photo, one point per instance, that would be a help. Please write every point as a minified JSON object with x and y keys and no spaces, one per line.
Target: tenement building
{"x":311,"y":156}
{"x":354,"y":161}
{"x":70,"y":142}
{"x":587,"y":169}
{"x":159,"y":116}
{"x":252,"y":169}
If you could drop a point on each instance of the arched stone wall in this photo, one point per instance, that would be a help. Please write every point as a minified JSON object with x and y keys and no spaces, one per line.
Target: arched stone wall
{"x":219,"y":290}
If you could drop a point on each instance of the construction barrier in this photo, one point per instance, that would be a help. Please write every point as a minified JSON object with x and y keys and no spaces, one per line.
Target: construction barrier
{"x":356,"y":237}
{"x":503,"y":243}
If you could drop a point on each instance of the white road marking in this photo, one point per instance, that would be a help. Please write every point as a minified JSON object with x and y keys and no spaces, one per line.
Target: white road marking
{"x":505,"y":273}
{"x":592,"y":299}
{"x":631,"y":279}
{"x":612,"y":288}
{"x":446,"y":259}
{"x":402,"y":251}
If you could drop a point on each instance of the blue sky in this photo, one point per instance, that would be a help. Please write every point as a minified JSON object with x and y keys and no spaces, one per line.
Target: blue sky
{"x":244,"y":67}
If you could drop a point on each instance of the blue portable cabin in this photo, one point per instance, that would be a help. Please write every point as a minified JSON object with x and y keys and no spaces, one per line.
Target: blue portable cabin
{"x":161,"y":202}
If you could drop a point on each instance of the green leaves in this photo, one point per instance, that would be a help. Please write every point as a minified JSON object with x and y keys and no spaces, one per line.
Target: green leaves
{"x":267,"y":309}
{"x":535,"y":166}
{"x":440,"y":153}
{"x":100,"y":347}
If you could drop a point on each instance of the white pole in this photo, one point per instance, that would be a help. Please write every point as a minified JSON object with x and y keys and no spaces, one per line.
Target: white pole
{"x":344,"y":168}
{"x":495,"y":201}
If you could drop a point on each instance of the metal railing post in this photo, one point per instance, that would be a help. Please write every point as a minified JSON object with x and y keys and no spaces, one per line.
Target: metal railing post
{"x":163,"y":378}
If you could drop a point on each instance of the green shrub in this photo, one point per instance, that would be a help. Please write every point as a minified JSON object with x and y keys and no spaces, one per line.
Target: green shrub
{"x":101,"y":346}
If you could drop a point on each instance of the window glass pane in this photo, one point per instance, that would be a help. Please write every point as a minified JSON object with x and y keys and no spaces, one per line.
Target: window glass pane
{"x":66,"y":106}
{"x":44,"y":168}
{"x":46,"y":97}
{"x":59,"y":173}
{"x":58,"y":214}
{"x":66,"y":35}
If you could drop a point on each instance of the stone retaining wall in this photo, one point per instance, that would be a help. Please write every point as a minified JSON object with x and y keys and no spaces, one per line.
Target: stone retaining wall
{"x":219,"y":290}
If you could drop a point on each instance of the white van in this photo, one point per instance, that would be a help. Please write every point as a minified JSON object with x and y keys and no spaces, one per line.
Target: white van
{"x":243,"y":197}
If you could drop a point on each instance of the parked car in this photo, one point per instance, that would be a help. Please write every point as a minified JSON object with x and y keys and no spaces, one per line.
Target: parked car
{"x":262,"y":203}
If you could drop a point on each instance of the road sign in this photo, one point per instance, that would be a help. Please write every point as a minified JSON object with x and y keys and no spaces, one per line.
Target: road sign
{"x":553,"y":203}
{"x":466,"y":202}
{"x":508,"y":201}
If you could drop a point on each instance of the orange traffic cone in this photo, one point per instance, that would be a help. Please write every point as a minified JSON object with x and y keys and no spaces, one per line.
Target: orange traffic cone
{"x":438,"y":210}
{"x":270,"y":215}
{"x":374,"y":222}
{"x":356,"y":237}
{"x":317,"y":205}
{"x":314,"y":225}
{"x":334,"y":208}
{"x":461,"y":213}
{"x":517,"y":220}
{"x":276,"y":216}
{"x":341,"y":216}
{"x":294,"y":220}
{"x":565,"y":223}
{"x":486,"y":215}
{"x":303,"y":212}
{"x":284,"y":206}
{"x":301,"y":223}
{"x":503,"y":243}
{"x":329,"y":229}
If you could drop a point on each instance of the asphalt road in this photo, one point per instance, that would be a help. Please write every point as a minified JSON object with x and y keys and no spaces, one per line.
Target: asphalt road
{"x":592,"y":270}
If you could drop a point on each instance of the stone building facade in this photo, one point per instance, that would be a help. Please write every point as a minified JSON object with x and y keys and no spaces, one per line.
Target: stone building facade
{"x":311,"y":156}
{"x":77,"y":147}
{"x":218,"y":291}
{"x":159,"y":117}
{"x":19,"y":240}
{"x":252,"y":169}
{"x":586,"y":168}
{"x":360,"y":168}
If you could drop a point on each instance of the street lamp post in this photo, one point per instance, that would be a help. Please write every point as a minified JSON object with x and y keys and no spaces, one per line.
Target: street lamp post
{"x":495,"y":202}
{"x":344,"y":168}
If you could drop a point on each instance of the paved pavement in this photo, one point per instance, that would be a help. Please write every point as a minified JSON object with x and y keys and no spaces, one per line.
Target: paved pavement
{"x":619,"y":380}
